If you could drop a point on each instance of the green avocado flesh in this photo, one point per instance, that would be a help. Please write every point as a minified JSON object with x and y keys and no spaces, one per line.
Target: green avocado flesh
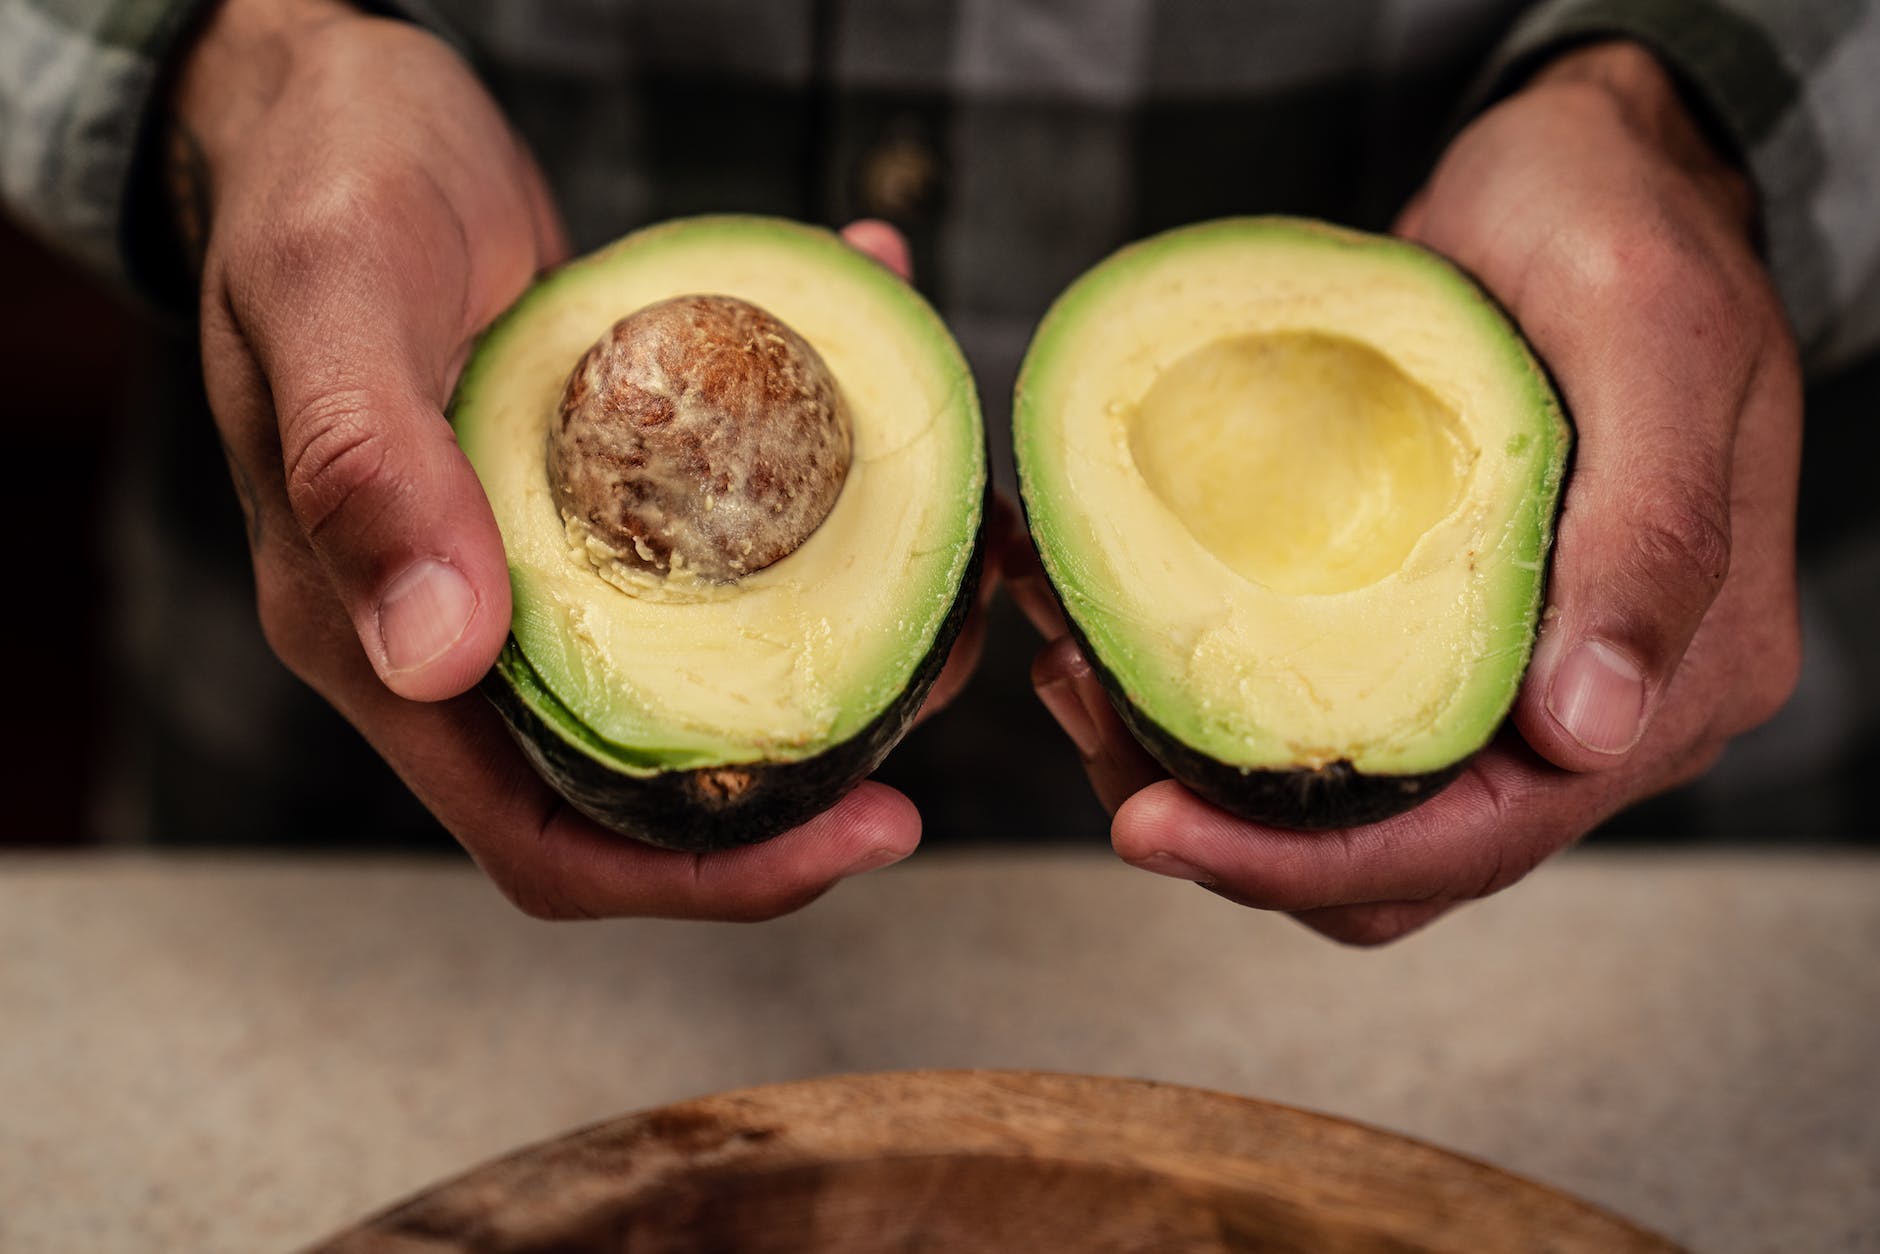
{"x":722,"y":716}
{"x":1296,"y":488}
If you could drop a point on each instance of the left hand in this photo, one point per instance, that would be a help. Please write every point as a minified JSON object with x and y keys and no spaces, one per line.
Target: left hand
{"x":1593,"y":207}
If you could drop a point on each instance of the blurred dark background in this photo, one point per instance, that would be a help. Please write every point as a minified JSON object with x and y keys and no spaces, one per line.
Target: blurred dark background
{"x":63,"y":343}
{"x":72,"y":359}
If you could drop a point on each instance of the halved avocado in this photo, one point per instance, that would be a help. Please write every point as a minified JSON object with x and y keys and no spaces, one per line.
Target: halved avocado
{"x":703,"y":713}
{"x":1296,"y":487}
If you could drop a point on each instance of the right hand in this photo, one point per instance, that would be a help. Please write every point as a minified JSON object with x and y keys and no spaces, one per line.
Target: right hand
{"x":362,"y":211}
{"x":1593,"y":205}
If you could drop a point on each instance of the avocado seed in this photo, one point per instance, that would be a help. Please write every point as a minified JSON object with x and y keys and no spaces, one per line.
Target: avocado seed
{"x":699,"y":435}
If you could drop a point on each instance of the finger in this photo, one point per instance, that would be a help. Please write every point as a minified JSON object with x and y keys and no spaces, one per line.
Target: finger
{"x":1508,"y":812}
{"x":1409,"y":223}
{"x":1116,"y":765}
{"x":1493,"y":825}
{"x":1376,"y":924}
{"x":1033,"y":595}
{"x":882,"y":242}
{"x":244,"y":416}
{"x":1008,"y":547}
{"x":963,"y":658}
{"x":551,"y":233}
{"x":961,"y":661}
{"x":355,"y":342}
{"x":1366,"y":886}
{"x":571,"y":868}
{"x":1030,"y":589}
{"x":458,"y":758}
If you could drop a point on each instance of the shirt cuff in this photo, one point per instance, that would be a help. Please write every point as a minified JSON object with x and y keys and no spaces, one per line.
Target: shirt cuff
{"x":81,"y":109}
{"x":78,"y":83}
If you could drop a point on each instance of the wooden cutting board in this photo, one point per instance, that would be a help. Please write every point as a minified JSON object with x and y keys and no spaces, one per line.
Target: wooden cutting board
{"x":946,"y":1162}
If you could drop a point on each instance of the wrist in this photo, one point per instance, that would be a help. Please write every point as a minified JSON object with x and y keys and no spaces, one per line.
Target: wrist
{"x":1654,"y":107}
{"x":225,"y":80}
{"x":237,"y":66}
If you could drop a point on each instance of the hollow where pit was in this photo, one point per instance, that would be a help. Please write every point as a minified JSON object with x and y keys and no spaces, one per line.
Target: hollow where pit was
{"x":1304,"y":461}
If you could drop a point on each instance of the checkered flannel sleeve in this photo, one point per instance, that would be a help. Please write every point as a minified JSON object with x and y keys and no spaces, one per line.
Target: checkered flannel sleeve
{"x":77,"y":80}
{"x":1795,"y":85}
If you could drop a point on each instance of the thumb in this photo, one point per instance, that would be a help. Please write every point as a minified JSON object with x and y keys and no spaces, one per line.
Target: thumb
{"x":1643,"y":549}
{"x":399,"y":520}
{"x":374,"y":478}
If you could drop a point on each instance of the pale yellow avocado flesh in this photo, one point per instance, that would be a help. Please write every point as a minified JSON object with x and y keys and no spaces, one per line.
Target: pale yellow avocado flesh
{"x":1305,"y":462}
{"x":804,"y":653}
{"x":1295,"y":486}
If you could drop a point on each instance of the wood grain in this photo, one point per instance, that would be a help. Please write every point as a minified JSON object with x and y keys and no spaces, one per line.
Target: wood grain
{"x":986,"y":1161}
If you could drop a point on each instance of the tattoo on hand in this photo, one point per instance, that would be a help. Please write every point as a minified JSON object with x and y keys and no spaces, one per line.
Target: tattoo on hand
{"x":250,"y":499}
{"x":186,"y":176}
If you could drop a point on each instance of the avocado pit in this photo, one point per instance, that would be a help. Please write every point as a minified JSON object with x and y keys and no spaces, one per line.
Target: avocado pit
{"x":700,"y":438}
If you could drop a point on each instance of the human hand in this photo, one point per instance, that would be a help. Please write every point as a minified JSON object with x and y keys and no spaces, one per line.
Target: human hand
{"x":1593,"y":207}
{"x":363,"y":210}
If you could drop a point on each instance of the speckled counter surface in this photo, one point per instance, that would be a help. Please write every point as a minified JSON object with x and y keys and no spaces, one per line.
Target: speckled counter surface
{"x":210,"y":1055}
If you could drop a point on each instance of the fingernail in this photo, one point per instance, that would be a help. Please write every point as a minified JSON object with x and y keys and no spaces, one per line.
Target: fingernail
{"x":874,"y":860}
{"x":1060,"y":697}
{"x":1173,"y":867}
{"x":1598,"y":695}
{"x":423,"y":612}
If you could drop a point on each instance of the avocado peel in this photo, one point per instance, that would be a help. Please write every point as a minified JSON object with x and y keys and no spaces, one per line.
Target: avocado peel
{"x":702,"y":709}
{"x":1295,"y":487}
{"x":707,"y":808}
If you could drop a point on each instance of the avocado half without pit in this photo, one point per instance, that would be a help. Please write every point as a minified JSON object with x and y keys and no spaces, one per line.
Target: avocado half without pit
{"x":740,"y":475}
{"x":1295,"y":487}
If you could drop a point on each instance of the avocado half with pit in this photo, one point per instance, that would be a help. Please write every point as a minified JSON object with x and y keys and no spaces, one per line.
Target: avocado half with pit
{"x":740,"y":475}
{"x":1295,"y":487}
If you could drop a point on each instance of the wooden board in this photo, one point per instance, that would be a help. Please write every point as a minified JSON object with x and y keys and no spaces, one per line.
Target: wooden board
{"x":946,"y":1162}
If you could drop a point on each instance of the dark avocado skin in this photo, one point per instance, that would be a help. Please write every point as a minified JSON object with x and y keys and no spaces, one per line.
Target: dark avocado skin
{"x":1307,"y":799}
{"x":712,"y":808}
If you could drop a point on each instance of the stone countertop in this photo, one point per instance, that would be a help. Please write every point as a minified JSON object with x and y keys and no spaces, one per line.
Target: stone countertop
{"x":211,"y":1054}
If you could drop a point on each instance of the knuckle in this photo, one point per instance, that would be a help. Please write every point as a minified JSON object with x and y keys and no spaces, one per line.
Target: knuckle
{"x":324,"y":224}
{"x":1510,"y":849}
{"x":1297,"y":884}
{"x":541,"y":901}
{"x":764,"y":906}
{"x":749,"y":912}
{"x":1659,"y":271}
{"x":1367,"y":927}
{"x":335,"y":459}
{"x":278,"y":621}
{"x":281,"y":607}
{"x":1778,"y":686}
{"x":1504,"y":864}
{"x":1495,"y":872}
{"x":1774,"y":678}
{"x":1684,"y":539}
{"x":1695,"y":766}
{"x":1616,"y":269}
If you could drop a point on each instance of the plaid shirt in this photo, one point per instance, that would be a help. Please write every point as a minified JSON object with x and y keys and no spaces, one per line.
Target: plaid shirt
{"x":1018,"y":140}
{"x":1015,"y":141}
